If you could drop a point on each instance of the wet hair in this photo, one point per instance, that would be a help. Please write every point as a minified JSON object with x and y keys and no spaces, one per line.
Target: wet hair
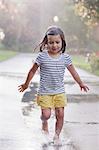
{"x":53,"y":31}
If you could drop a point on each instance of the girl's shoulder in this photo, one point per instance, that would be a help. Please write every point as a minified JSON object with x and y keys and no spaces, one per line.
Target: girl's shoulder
{"x":67,"y":59}
{"x":42,"y":53}
{"x":66,"y":55}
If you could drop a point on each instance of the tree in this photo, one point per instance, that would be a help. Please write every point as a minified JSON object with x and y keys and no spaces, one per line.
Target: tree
{"x":88,"y":10}
{"x":25,"y":22}
{"x":20,"y":23}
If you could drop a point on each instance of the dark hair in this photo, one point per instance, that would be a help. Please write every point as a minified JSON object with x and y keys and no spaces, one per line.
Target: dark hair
{"x":53,"y":31}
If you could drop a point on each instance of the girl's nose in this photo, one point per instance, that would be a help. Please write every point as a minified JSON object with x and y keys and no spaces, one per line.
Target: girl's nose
{"x":54,"y":44}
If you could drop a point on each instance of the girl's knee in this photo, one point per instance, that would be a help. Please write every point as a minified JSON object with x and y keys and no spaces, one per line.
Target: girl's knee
{"x":45,"y":114}
{"x":45,"y":117}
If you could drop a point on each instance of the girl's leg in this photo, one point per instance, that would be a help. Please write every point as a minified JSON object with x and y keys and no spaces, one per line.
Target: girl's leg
{"x":59,"y":112}
{"x":46,"y":113}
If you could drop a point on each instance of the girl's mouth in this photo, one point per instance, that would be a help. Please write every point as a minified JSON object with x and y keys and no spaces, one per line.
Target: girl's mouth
{"x":54,"y":49}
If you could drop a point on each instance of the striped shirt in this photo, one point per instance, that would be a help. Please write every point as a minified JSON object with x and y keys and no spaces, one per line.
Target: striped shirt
{"x":52,"y":73}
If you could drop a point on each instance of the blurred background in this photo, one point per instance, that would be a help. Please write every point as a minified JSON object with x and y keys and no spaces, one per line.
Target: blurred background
{"x":23,"y":24}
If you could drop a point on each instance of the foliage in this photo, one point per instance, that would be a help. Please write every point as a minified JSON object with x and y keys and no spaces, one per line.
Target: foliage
{"x":4,"y":54}
{"x":88,"y":10}
{"x":19,"y":24}
{"x":94,"y":62}
{"x":89,"y":65}
{"x":80,"y":61}
{"x":25,"y":22}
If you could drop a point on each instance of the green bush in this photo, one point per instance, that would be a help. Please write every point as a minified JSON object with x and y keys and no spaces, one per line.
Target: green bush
{"x":94,"y":62}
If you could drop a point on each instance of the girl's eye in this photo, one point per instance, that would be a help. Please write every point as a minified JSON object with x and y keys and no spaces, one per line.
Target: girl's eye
{"x":57,"y":42}
{"x":50,"y":42}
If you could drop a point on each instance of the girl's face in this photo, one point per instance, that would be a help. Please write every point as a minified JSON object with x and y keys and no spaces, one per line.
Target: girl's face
{"x":54,"y":43}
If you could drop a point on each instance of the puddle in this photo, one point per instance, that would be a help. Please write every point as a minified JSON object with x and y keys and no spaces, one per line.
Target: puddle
{"x":81,"y":122}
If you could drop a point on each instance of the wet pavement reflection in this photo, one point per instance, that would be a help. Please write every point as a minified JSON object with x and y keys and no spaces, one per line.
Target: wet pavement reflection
{"x":81,"y":122}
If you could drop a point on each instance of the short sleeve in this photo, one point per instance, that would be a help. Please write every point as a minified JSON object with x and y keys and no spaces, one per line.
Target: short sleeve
{"x":68,"y":60}
{"x":38,"y":59}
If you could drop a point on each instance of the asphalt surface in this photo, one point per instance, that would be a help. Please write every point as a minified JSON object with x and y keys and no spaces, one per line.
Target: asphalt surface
{"x":20,"y":125}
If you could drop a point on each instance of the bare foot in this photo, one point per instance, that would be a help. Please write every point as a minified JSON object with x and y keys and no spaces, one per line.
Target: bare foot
{"x":56,"y":140}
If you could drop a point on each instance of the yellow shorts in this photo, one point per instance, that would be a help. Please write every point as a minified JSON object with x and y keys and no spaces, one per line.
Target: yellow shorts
{"x":52,"y":101}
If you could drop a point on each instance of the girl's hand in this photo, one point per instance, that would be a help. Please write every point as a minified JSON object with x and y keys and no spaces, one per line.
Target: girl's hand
{"x":22,"y":87}
{"x":84,"y":87}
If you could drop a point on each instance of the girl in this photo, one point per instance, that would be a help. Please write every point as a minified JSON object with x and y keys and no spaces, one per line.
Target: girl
{"x":52,"y":62}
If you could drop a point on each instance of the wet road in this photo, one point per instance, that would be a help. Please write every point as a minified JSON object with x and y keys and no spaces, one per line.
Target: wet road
{"x":19,"y":114}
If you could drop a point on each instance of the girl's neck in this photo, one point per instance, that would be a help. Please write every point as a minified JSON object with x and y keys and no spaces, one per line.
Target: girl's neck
{"x":54,"y":55}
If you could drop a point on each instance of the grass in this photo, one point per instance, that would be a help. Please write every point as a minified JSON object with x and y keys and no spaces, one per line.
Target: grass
{"x":80,"y":62}
{"x":6,"y":54}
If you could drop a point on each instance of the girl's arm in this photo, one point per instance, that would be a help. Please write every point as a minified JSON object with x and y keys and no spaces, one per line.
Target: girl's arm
{"x":29,"y":77}
{"x":77,"y":78}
